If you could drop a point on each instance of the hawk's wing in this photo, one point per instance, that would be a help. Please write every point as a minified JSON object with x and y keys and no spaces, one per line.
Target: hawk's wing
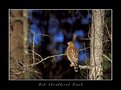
{"x":72,"y":54}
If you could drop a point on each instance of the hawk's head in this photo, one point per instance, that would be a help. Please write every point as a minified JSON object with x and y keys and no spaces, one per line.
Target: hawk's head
{"x":70,"y":43}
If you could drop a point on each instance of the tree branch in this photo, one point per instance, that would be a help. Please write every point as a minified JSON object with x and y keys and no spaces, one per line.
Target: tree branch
{"x":107,"y":58}
{"x":83,"y":67}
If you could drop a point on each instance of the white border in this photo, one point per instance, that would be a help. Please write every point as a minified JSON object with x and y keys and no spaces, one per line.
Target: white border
{"x":58,"y":79}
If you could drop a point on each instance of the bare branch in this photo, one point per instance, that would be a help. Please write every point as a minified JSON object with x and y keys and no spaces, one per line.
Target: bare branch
{"x":39,"y":34}
{"x":33,"y":48}
{"x":49,"y":56}
{"x":107,"y":58}
{"x":35,"y":53}
{"x":83,"y":67}
{"x":84,"y":49}
{"x":46,"y":59}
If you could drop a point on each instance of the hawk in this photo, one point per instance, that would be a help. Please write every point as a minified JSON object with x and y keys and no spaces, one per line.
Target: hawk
{"x":72,"y":54}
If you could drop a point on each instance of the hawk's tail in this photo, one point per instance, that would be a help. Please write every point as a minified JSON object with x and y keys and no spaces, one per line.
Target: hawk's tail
{"x":76,"y":68}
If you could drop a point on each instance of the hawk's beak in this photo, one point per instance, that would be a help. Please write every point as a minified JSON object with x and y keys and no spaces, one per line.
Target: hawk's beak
{"x":68,"y":43}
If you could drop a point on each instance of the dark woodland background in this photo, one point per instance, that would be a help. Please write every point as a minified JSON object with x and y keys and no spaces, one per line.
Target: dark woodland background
{"x":63,"y":26}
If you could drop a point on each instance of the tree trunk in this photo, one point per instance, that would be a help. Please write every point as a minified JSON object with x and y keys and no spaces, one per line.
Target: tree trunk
{"x":96,"y":45}
{"x":26,"y":55}
{"x":18,"y":44}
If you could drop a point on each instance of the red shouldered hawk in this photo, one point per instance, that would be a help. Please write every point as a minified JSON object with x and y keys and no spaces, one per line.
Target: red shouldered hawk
{"x":72,"y":55}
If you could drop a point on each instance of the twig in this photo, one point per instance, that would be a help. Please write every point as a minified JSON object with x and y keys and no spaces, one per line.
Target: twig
{"x":46,"y":59}
{"x":89,"y":32}
{"x":108,"y":32}
{"x":107,"y":58}
{"x":43,"y":35}
{"x":35,"y":53}
{"x":84,"y":39}
{"x":85,"y":59}
{"x":83,"y":67}
{"x":39,"y":34}
{"x":33,"y":48}
{"x":24,"y":71}
{"x":84,"y":49}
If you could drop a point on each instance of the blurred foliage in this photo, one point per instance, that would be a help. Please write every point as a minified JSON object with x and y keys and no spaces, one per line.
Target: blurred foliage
{"x":32,"y":76}
{"x":106,"y":62}
{"x":107,"y":67}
